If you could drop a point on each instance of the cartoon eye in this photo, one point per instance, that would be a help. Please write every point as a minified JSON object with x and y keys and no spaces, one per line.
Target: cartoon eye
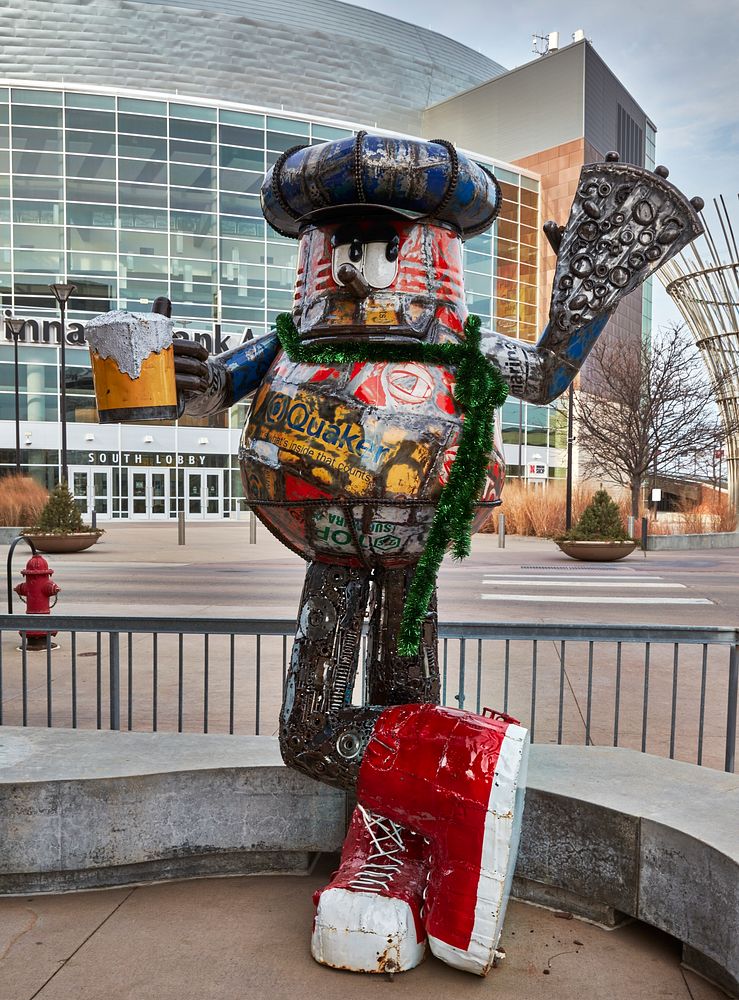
{"x":379,"y":268}
{"x":343,"y":255}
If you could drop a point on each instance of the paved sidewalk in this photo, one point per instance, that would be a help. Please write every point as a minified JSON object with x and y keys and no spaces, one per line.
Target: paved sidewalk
{"x":223,"y":939}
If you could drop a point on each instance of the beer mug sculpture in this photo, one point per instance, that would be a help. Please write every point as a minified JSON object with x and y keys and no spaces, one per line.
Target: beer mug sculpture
{"x":370,"y":449}
{"x":132,"y":366}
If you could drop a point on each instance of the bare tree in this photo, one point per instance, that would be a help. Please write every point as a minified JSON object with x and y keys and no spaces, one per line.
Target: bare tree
{"x":650,"y":407}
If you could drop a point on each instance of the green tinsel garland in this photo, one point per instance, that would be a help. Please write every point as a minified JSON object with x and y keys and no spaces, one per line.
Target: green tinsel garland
{"x":479,"y":391}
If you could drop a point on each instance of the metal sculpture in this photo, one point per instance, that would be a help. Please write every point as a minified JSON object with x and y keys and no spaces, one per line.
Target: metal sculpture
{"x":368,"y":449}
{"x":704,"y":284}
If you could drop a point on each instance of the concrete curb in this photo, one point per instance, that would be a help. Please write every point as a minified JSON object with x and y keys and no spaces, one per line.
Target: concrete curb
{"x":607,"y":832}
{"x":709,"y":540}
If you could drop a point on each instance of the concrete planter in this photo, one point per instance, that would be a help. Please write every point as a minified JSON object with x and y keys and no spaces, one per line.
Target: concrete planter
{"x":597,"y":551}
{"x":63,"y":543}
{"x":7,"y":534}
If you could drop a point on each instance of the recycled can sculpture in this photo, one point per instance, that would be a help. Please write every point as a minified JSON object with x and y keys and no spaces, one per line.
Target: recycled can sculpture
{"x":369,"y":449}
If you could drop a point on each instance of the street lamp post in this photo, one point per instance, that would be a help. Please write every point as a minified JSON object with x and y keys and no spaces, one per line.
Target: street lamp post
{"x":16,"y":328}
{"x":62,"y":293}
{"x":570,"y":442}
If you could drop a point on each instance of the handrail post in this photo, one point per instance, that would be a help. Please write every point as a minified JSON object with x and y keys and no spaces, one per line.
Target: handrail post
{"x":501,"y":531}
{"x":114,"y":667}
{"x":11,"y":550}
{"x":731,"y":708}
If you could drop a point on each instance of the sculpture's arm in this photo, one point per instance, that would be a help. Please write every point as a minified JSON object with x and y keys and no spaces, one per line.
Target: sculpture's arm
{"x":625,"y":222}
{"x":207,"y":386}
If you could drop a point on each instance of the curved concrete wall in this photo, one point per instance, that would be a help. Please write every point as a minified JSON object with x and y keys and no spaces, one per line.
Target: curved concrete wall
{"x":316,"y":57}
{"x":606,"y":832}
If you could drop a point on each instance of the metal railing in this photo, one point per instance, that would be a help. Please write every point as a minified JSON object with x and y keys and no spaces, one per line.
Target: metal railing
{"x":669,"y":690}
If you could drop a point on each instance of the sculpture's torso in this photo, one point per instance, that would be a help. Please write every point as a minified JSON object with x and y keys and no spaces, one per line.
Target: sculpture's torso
{"x":359,"y":433}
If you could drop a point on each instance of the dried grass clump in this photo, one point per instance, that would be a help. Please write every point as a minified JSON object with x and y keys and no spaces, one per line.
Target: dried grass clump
{"x":713,"y":514}
{"x":538,"y":512}
{"x":21,"y":500}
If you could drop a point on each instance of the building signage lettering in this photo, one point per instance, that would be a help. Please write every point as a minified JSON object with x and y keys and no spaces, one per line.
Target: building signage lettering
{"x":48,"y":331}
{"x":143,"y":458}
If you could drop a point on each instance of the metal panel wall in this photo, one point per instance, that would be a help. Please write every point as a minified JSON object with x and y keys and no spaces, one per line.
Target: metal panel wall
{"x":534,"y":107}
{"x":316,"y":57}
{"x":603,"y":95}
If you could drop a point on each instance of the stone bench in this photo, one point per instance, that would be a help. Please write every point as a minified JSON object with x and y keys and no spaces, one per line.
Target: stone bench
{"x":608,"y":833}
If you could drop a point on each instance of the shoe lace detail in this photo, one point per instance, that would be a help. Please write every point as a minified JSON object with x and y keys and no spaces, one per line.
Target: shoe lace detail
{"x":383,"y":863}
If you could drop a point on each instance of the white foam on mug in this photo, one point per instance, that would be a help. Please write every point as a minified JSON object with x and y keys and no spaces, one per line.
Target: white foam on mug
{"x":129,"y":338}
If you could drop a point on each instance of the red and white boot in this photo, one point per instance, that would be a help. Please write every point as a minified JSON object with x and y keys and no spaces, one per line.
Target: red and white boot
{"x":368,"y":918}
{"x":458,"y":780}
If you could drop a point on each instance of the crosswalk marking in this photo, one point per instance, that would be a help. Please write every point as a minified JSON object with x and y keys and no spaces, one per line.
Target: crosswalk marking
{"x":566,"y":599}
{"x":612,"y":584}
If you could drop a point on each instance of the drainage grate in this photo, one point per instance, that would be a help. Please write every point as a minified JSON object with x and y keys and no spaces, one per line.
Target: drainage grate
{"x":599,"y":568}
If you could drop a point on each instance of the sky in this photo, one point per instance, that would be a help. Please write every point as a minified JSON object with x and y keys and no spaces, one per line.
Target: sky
{"x":678,"y":58}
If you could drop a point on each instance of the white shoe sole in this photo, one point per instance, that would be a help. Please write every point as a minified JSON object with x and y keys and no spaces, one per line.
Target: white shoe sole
{"x":498,"y":860}
{"x":365,"y":932}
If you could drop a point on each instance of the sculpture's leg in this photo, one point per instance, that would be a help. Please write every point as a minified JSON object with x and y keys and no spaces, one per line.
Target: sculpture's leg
{"x":321,"y":733}
{"x":393,"y":679}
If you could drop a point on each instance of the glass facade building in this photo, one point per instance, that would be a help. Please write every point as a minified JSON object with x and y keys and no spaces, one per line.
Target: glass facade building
{"x":129,"y":196}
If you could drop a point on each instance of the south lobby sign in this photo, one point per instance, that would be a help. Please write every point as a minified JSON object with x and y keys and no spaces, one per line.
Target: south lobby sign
{"x":145,"y":458}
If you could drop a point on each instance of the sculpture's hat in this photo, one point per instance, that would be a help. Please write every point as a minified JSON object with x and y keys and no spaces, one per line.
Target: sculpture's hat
{"x":377,"y":174}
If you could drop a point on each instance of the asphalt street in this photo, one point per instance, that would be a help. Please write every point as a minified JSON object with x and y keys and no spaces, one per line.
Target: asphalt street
{"x":139,"y":569}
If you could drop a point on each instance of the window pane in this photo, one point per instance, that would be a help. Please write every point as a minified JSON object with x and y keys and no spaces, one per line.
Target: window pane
{"x":100,"y":240}
{"x":91,"y":166}
{"x":46,"y":117}
{"x":240,"y":204}
{"x":232,"y":136}
{"x":98,"y":101}
{"x":192,"y":111}
{"x":138,"y":289}
{"x":192,"y":152}
{"x":285,"y":254}
{"x":50,"y":213}
{"x":46,"y":139}
{"x":191,"y":176}
{"x":43,"y":188}
{"x":193,"y":270}
{"x":143,"y":147}
{"x":94,"y":263}
{"x":38,"y":237}
{"x":242,"y":252}
{"x":191,"y":200}
{"x":143,"y":267}
{"x":144,"y":243}
{"x":36,"y":97}
{"x":143,"y":171}
{"x":140,"y":194}
{"x":246,"y":159}
{"x":199,"y":131}
{"x":241,"y":182}
{"x":188,"y":222}
{"x":289,"y":125}
{"x":242,"y":118}
{"x":144,"y":218}
{"x":204,"y":247}
{"x":91,"y":121}
{"x":91,"y":215}
{"x":142,"y":125}
{"x":193,"y":292}
{"x":38,"y":163}
{"x":98,"y":144}
{"x":94,"y":191}
{"x":252,"y":298}
{"x":4,"y":137}
{"x":326,"y":132}
{"x":38,"y":261}
{"x":281,"y":277}
{"x":279,"y":143}
{"x":142,"y":107}
{"x":249,"y":228}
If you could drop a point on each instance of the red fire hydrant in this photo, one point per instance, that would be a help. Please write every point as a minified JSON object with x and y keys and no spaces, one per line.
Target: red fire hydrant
{"x":36,"y":590}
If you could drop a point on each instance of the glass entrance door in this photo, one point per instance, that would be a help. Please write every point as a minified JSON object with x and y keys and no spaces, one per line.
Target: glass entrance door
{"x":91,"y":489}
{"x":204,"y":497}
{"x":148,"y":494}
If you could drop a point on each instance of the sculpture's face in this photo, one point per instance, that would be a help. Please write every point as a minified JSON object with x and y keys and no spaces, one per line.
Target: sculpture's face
{"x":380,"y":279}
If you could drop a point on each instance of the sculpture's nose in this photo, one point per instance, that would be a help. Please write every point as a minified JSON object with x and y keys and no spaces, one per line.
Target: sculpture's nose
{"x":354,"y":280}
